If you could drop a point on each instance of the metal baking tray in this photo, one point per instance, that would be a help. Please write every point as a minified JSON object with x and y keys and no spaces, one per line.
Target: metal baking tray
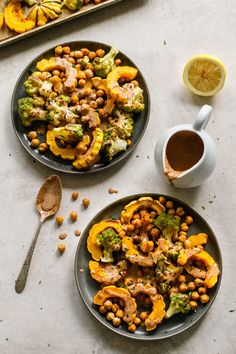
{"x":7,"y":36}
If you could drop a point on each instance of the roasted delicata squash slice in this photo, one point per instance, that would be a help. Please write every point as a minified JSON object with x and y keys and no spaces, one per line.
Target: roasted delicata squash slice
{"x":144,"y":203}
{"x":212,"y":268}
{"x":97,"y":229}
{"x":121,"y":293}
{"x":107,"y":274}
{"x":114,"y":88}
{"x":15,"y":20}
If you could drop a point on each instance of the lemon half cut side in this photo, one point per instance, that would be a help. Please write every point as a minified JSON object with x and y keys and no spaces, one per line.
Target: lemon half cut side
{"x":204,"y":75}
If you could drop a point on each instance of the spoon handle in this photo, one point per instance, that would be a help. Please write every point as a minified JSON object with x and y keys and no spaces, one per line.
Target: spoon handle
{"x":22,"y":277}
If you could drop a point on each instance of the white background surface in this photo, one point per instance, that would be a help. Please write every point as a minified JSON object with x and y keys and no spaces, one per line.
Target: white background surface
{"x":50,"y":317}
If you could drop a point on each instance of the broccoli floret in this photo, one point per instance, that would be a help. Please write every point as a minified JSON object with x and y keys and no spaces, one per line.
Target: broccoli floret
{"x":35,"y":86}
{"x":84,"y":61}
{"x":112,"y":144}
{"x":166,"y":273}
{"x":73,"y":5}
{"x":168,"y":224}
{"x":123,"y":123}
{"x":109,"y":241}
{"x":39,"y":101}
{"x":71,"y":133}
{"x":58,"y":109}
{"x":178,"y":303}
{"x":135,"y":99}
{"x":102,"y":66}
{"x":29,"y":112}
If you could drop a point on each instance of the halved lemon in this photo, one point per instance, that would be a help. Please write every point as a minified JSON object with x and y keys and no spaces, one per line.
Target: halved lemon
{"x":204,"y":75}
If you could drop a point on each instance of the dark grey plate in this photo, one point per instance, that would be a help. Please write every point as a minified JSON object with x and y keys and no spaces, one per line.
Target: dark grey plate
{"x":88,"y":287}
{"x":57,"y":163}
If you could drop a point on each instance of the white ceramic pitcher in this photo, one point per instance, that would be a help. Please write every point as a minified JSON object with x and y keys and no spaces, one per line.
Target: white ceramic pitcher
{"x":200,"y":171}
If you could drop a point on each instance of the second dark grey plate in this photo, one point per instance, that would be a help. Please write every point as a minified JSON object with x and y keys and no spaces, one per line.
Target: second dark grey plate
{"x":88,"y":287}
{"x":57,"y":163}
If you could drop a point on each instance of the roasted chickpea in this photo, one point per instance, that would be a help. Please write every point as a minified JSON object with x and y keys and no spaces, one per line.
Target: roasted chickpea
{"x":193,"y":305}
{"x":59,"y":220}
{"x":77,"y":232}
{"x":187,"y":244}
{"x":182,"y":238}
{"x":100,"y":93}
{"x":81,"y":75}
{"x":78,"y":54}
{"x":74,"y":98}
{"x":162,"y":200}
{"x":43,"y":147}
{"x":93,"y":104}
{"x":155,"y":232}
{"x":35,"y":143}
{"x":126,"y":216}
{"x":66,"y":50}
{"x":189,"y":220}
{"x":119,"y":313}
{"x":82,"y":82}
{"x":198,"y":282}
{"x":128,"y":281}
{"x":173,"y":290}
{"x":202,"y":290}
{"x":184,"y":227}
{"x":122,"y":234}
{"x":91,"y":55}
{"x":73,"y":216}
{"x":178,"y":217}
{"x":137,"y":321}
{"x":108,"y":304}
{"x":71,"y":60}
{"x":204,"y":298}
{"x":61,"y":248}
{"x":136,"y":216}
{"x":169,"y":204}
{"x":58,"y":50}
{"x":88,"y":73}
{"x":116,"y":321}
{"x":100,"y":101}
{"x":195,"y":296}
{"x":191,"y":286}
{"x":32,"y":135}
{"x":137,"y":223}
{"x":153,"y":214}
{"x":85,"y":51}
{"x":62,"y":75}
{"x":171,"y":212}
{"x":110,"y":316}
{"x":143,"y":315}
{"x":115,"y":308}
{"x":130,"y":228}
{"x":100,"y":53}
{"x":182,"y":233}
{"x":132,"y":328}
{"x":183,"y":287}
{"x":182,"y":279}
{"x":149,"y":227}
{"x":102,"y":310}
{"x":117,"y":62}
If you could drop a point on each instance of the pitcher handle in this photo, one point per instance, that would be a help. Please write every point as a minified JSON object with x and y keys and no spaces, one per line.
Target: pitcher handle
{"x":202,"y":117}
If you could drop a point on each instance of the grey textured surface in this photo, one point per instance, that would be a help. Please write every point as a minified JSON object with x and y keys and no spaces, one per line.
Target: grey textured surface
{"x":49,"y":316}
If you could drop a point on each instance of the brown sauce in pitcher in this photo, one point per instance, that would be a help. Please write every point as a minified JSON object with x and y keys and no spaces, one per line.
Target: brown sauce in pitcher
{"x":184,"y":149}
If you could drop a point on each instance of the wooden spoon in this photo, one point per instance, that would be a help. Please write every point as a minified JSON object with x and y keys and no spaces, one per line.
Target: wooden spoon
{"x":48,"y":202}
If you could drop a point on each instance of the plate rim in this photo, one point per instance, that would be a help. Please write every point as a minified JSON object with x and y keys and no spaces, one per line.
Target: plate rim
{"x":103,"y":167}
{"x":131,"y":335}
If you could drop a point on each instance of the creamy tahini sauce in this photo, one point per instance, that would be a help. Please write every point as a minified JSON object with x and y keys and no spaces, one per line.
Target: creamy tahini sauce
{"x":183,"y":151}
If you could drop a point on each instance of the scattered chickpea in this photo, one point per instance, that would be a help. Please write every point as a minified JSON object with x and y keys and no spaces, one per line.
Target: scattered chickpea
{"x":183,"y":287}
{"x":178,"y":217}
{"x":71,"y":60}
{"x":182,"y":233}
{"x":143,"y":315}
{"x":62,"y":236}
{"x":169,"y":204}
{"x":66,"y":50}
{"x":78,"y":54}
{"x":61,"y":247}
{"x":187,"y":244}
{"x":191,"y":286}
{"x":136,"y":216}
{"x":193,"y":305}
{"x":102,"y":310}
{"x":184,"y":227}
{"x":100,"y":93}
{"x":110,"y":316}
{"x":182,"y":279}
{"x":77,"y":232}
{"x":153,"y":214}
{"x":100,"y":53}
{"x":35,"y":143}
{"x":112,"y":191}
{"x":108,"y":305}
{"x":155,"y":232}
{"x":130,"y":228}
{"x":91,"y":55}
{"x":74,"y":98}
{"x":59,"y":220}
{"x":126,"y":217}
{"x":85,"y":203}
{"x":85,"y":51}
{"x":204,"y":298}
{"x":195,"y":296}
{"x":202,"y":290}
{"x":56,"y":72}
{"x":137,"y":223}
{"x":82,"y":82}
{"x":188,"y":220}
{"x":115,"y":308}
{"x":137,"y":321}
{"x":162,"y":200}
{"x":173,"y":290}
{"x":75,"y":195}
{"x":116,"y":321}
{"x":132,"y":328}
{"x":198,"y":282}
{"x":43,"y":147}
{"x":122,"y":234}
{"x":73,"y":216}
{"x":32,"y":135}
{"x":88,"y":73}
